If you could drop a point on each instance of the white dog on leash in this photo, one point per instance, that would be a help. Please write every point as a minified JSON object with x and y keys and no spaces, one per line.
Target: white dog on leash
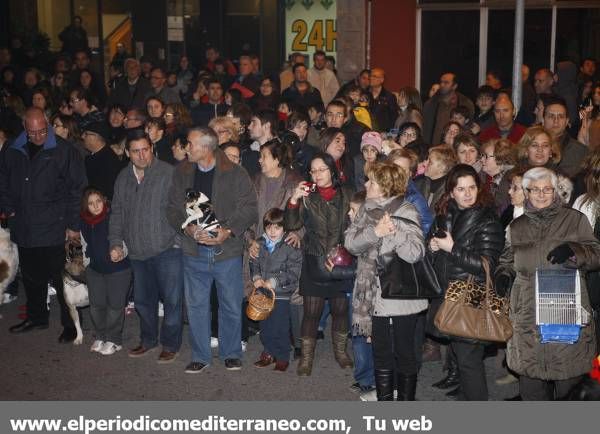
{"x":75,"y":289}
{"x":9,"y":262}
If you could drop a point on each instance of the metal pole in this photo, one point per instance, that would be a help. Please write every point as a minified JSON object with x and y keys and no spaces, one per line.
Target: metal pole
{"x":368,"y":51}
{"x":553,"y":40}
{"x":518,"y":53}
{"x":483,"y":42}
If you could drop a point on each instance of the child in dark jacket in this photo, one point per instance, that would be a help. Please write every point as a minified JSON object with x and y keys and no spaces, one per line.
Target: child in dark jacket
{"x":277,"y":267}
{"x":108,"y":282}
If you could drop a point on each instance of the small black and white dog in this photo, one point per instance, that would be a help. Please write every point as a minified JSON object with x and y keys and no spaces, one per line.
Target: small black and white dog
{"x":199,"y":211}
{"x":9,"y":261}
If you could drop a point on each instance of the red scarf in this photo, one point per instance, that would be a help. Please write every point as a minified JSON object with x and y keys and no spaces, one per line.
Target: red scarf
{"x":327,"y":193}
{"x":92,"y":220}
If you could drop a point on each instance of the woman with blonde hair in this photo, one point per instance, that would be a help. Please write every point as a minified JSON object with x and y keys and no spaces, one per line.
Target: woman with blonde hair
{"x":386,"y":225}
{"x":226,"y":129}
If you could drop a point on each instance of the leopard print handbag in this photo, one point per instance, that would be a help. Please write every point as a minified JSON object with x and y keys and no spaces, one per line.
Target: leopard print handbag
{"x":474,"y":311}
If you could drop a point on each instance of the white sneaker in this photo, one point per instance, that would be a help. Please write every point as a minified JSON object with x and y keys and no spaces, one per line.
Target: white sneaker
{"x":51,"y":290}
{"x":97,"y":346}
{"x":130,"y":308}
{"x":161,"y":310}
{"x":371,"y":395}
{"x":214,"y":342}
{"x":110,"y":348}
{"x":244,"y":346}
{"x":8,"y":298}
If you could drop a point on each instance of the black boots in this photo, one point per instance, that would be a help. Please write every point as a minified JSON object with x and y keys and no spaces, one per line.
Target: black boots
{"x":406,"y":386}
{"x":452,"y":379}
{"x":384,"y":384}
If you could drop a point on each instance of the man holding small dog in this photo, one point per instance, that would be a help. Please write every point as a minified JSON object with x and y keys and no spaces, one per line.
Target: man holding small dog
{"x":139,"y":221}
{"x":42,"y":178}
{"x":214,"y":255}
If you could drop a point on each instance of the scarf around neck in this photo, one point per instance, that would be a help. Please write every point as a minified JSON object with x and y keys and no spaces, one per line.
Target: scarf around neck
{"x":543,"y":216}
{"x":92,"y":220}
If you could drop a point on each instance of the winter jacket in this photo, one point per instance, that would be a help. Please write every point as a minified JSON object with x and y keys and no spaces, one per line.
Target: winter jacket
{"x":97,"y":247}
{"x":416,"y":198}
{"x":280,"y":267}
{"x":130,"y":97}
{"x":44,"y":193}
{"x":476,"y":232}
{"x":166,"y":94}
{"x":233,"y":201}
{"x":102,"y":169}
{"x":530,"y":238}
{"x":139,"y":211}
{"x":203,"y":113}
{"x":493,"y":132}
{"x":323,"y":221}
{"x":353,"y":131}
{"x":302,"y":100}
{"x":423,"y":185}
{"x":436,"y":114}
{"x":572,"y":155}
{"x":324,"y":80}
{"x":384,"y":110}
{"x":406,"y":242}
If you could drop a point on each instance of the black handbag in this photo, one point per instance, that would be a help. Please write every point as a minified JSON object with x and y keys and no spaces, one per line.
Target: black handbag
{"x":402,"y":280}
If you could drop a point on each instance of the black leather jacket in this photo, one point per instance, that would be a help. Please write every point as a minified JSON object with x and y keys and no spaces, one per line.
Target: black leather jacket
{"x":476,"y":232}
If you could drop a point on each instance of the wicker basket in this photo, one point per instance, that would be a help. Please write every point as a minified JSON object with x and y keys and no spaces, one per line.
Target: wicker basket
{"x":260,"y":304}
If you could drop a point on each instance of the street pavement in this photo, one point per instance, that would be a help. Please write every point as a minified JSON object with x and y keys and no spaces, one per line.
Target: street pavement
{"x":36,"y":367}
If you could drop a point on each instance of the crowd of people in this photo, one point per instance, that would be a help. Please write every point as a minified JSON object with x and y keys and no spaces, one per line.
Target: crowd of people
{"x":311,"y":181}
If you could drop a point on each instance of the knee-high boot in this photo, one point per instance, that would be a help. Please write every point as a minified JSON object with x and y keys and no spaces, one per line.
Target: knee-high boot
{"x":406,"y":386}
{"x":307,"y":357}
{"x":384,"y":384}
{"x":340,"y":341}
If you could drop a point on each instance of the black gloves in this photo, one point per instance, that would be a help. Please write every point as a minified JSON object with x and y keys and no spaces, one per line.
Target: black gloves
{"x":560,"y":254}
{"x":502,"y":285}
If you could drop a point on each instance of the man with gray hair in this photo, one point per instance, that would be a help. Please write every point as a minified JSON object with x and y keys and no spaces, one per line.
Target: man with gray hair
{"x":214,"y":256}
{"x":132,"y":91}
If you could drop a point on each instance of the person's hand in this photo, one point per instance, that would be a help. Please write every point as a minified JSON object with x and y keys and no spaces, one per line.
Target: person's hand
{"x":300,"y":192}
{"x":259,"y":283}
{"x":204,"y":237}
{"x":445,"y":243}
{"x":385,"y":226}
{"x":433,"y":245}
{"x":190,"y":230}
{"x":117,"y":254}
{"x":72,"y":235}
{"x":560,"y":254}
{"x":293,"y":239}
{"x":253,"y":250}
{"x":329,"y":265}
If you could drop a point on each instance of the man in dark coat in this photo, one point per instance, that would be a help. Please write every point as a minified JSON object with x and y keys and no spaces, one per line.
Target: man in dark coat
{"x":131,"y":92}
{"x":41,"y":183}
{"x":74,"y":37}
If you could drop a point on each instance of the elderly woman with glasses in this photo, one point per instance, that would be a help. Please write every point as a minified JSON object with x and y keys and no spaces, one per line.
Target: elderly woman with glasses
{"x":548,"y":235}
{"x":496,"y":160}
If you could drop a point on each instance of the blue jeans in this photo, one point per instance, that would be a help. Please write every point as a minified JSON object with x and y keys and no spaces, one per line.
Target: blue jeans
{"x":275,"y":331}
{"x":159,"y":278}
{"x":199,"y":272}
{"x":364,"y":368}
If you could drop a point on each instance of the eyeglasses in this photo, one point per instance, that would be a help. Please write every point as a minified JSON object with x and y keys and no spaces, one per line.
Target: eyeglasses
{"x":408,"y":134}
{"x":37,"y":133}
{"x":486,"y":156}
{"x":537,"y":191}
{"x":319,"y":171}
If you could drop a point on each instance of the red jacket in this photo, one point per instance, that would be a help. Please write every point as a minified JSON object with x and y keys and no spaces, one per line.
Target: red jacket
{"x":493,"y":132}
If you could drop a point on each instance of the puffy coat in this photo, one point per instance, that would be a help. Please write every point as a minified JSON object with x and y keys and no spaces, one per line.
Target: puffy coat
{"x":281,"y":267}
{"x":476,"y":232}
{"x":530,"y":238}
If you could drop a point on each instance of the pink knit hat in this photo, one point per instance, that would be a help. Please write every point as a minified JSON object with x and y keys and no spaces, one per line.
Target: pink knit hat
{"x":371,"y":138}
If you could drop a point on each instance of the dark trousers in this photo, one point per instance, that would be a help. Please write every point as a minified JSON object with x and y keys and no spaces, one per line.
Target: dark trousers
{"x":40,"y":265}
{"x":394,"y":344}
{"x":534,"y":389}
{"x":469,"y":357}
{"x":275,"y":331}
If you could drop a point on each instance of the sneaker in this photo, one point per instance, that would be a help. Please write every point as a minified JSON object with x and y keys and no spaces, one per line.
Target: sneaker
{"x":371,"y":395}
{"x":358,"y":388}
{"x":233,"y":364}
{"x":244,"y":346}
{"x":214,"y":342}
{"x":195,"y":367}
{"x":97,"y":346}
{"x":281,"y":366}
{"x":110,"y":348}
{"x":51,"y":290}
{"x":8,"y":298}
{"x":265,"y":360}
{"x":161,"y":310}
{"x":507,"y":379}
